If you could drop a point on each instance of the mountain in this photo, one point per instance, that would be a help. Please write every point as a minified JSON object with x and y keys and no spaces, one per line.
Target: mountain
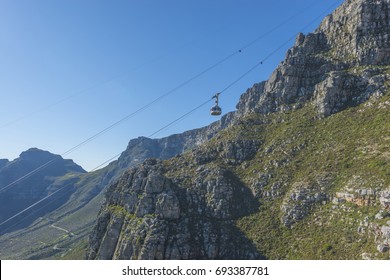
{"x":287,"y":139}
{"x":76,"y":212}
{"x":17,"y":194}
{"x":300,"y":172}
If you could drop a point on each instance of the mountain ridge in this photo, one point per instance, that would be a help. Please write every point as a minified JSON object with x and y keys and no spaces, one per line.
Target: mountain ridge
{"x":333,"y":77}
{"x":18,"y":194}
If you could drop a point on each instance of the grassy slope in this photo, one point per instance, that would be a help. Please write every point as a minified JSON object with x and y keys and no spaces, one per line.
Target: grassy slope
{"x":43,"y":241}
{"x":350,"y":148}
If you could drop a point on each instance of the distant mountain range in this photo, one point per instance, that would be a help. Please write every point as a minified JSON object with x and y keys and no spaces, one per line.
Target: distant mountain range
{"x":17,"y":193}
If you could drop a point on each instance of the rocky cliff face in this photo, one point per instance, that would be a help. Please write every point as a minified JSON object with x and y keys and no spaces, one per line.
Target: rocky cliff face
{"x":275,"y":176}
{"x":338,"y":65}
{"x":142,"y":148}
{"x":150,"y":216}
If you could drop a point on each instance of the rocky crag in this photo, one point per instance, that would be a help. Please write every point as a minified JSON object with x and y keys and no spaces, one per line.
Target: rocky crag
{"x":174,"y":223}
{"x":303,"y":173}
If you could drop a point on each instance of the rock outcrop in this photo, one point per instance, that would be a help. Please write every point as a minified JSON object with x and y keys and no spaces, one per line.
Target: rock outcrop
{"x":300,"y":201}
{"x":147,"y":215}
{"x":340,"y":64}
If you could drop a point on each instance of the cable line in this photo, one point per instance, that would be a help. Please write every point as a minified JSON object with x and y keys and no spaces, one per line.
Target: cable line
{"x":279,"y":26}
{"x":29,"y":174}
{"x":145,"y":107}
{"x":158,"y":99}
{"x":34,"y":211}
{"x":156,"y":132}
{"x":278,"y":48}
{"x":81,"y":92}
{"x":32,"y":205}
{"x":231,"y":84}
{"x":48,"y":196}
{"x":140,"y":109}
{"x":151,"y":135}
{"x":120,"y":121}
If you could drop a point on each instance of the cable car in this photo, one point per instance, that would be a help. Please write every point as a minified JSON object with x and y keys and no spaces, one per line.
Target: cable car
{"x":216,"y":110}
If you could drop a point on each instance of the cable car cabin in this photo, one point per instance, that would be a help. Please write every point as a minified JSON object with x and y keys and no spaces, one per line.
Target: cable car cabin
{"x":215,"y":110}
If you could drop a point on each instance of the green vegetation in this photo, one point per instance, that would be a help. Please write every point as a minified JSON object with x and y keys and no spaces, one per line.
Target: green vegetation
{"x":353,"y":143}
{"x":348,"y":149}
{"x":77,"y":252}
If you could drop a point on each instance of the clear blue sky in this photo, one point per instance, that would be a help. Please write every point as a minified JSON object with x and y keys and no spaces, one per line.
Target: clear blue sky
{"x":69,"y":69}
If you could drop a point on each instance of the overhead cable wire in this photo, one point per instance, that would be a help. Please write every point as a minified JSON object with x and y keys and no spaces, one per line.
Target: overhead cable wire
{"x":145,"y":106}
{"x":279,"y":25}
{"x":207,"y":70}
{"x":164,"y":95}
{"x":88,"y":89}
{"x":149,"y":104}
{"x":231,"y":84}
{"x":32,"y":172}
{"x":278,"y":48}
{"x":33,"y":212}
{"x":109,"y":160}
{"x":110,"y":127}
{"x":48,"y":196}
{"x":159,"y":130}
{"x":31,"y":206}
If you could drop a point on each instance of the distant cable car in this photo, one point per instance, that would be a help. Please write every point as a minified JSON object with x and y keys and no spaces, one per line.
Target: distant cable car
{"x":216,"y":110}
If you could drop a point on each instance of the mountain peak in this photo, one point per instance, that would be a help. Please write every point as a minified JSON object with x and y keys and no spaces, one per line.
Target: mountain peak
{"x":38,"y":157}
{"x":31,"y":177}
{"x":37,"y":154}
